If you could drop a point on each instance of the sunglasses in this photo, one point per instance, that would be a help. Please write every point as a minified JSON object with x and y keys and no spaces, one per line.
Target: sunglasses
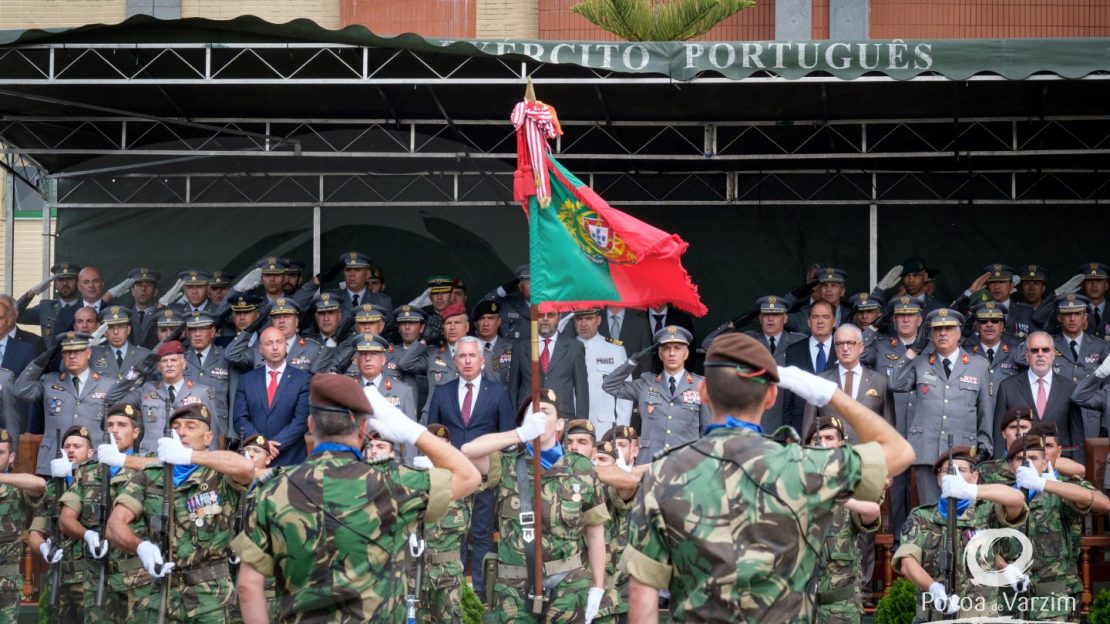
{"x":1040,"y":350}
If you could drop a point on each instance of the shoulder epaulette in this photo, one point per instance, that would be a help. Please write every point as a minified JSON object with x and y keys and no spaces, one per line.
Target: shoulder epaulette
{"x":616,"y":341}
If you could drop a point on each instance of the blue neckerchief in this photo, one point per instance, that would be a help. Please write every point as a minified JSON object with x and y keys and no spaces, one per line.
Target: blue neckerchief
{"x":69,"y":482}
{"x":1029,"y":496}
{"x":961,"y":506}
{"x":548,"y":457}
{"x":335,"y":447}
{"x":114,"y":470}
{"x":180,"y":473}
{"x":732,"y":423}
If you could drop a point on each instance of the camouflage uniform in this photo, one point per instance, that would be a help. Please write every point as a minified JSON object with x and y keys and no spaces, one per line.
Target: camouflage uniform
{"x":995,"y":471}
{"x":72,"y":566}
{"x":925,"y":539}
{"x":614,"y":607}
{"x":247,"y":503}
{"x":352,"y":572}
{"x":16,"y":506}
{"x":839,"y":600}
{"x":442,"y":576}
{"x":204,"y":506}
{"x":125,"y":570}
{"x":736,"y":565}
{"x":572,"y":499}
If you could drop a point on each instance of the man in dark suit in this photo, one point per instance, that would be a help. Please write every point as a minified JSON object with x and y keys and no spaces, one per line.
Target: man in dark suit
{"x":1047,"y":393}
{"x":471,"y":406}
{"x":272,"y":400}
{"x":863,"y":384}
{"x":562,"y":368}
{"x":813,"y":355}
{"x":16,"y":353}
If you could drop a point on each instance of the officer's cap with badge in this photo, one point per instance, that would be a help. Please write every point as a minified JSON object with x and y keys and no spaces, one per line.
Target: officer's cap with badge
{"x":1033,"y":273}
{"x":124,"y":409}
{"x":369,"y":313}
{"x":193,"y":411}
{"x":169,"y":317}
{"x":245,"y":303}
{"x":272,"y":266}
{"x":673,"y":333}
{"x":293,"y":266}
{"x":831,"y":275}
{"x":913,"y":264}
{"x":999,"y":272}
{"x":115,"y":315}
{"x":865,"y":301}
{"x":523,"y":272}
{"x":339,"y":394}
{"x":376,"y":273}
{"x":905,"y":305}
{"x":484,"y":307}
{"x":965,"y":453}
{"x":440,"y":284}
{"x":1072,"y":303}
{"x":143,"y":274}
{"x":1094,"y":271}
{"x":821,"y":423}
{"x":368,"y":343}
{"x":987,"y":311}
{"x":751,"y":360}
{"x":284,"y":305}
{"x":584,"y":312}
{"x":327,"y":301}
{"x":220,"y":279}
{"x":193,"y":277}
{"x":258,"y":440}
{"x":1020,"y":412}
{"x":200,"y":318}
{"x":79,"y":431}
{"x":945,"y":317}
{"x":74,"y":341}
{"x":408,"y":314}
{"x":65,"y":270}
{"x":771,"y":304}
{"x":581,"y":426}
{"x":355,"y":260}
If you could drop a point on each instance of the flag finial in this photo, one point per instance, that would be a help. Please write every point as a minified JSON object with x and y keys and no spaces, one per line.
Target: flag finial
{"x":530,"y":92}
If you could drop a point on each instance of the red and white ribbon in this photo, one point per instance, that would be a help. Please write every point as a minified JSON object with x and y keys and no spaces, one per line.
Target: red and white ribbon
{"x":535,"y":123}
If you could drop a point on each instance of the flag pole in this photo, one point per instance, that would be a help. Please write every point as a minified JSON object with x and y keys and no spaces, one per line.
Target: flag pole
{"x":537,"y":493}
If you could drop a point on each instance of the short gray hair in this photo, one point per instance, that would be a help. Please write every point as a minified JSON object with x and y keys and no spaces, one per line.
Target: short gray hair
{"x":469,"y":340}
{"x":852,"y":328}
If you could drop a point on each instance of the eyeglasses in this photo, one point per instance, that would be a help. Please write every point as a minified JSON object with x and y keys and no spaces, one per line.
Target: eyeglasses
{"x":1040,"y":350}
{"x":990,"y":321}
{"x":845,"y":343}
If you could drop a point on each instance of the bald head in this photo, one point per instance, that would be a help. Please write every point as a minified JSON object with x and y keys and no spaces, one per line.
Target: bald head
{"x":272,"y":346}
{"x":90,"y":284}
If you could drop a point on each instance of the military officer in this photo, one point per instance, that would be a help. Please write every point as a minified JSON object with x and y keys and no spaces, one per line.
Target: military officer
{"x":74,"y":396}
{"x":303,"y":353}
{"x":792,"y":488}
{"x":771,"y":312}
{"x":439,"y":293}
{"x":273,"y":278}
{"x":144,"y":290}
{"x":1033,"y":287}
{"x":329,"y":317}
{"x":1016,"y":422}
{"x":370,"y":361}
{"x":194,"y":287}
{"x":830,"y":288}
{"x":206,"y":489}
{"x":369,"y":320}
{"x":513,"y":298}
{"x":114,"y":359}
{"x":1078,"y":353}
{"x":410,"y":326}
{"x":158,"y":399}
{"x":437,"y":363}
{"x":358,"y":270}
{"x":53,"y":316}
{"x":169,"y":322}
{"x":218,"y":284}
{"x":603,"y":355}
{"x":498,"y":351}
{"x":20,"y":493}
{"x":916,"y":280}
{"x":205,"y":365}
{"x":572,"y":504}
{"x":949,"y":395}
{"x":670,"y":407}
{"x":386,"y":503}
{"x":865,"y":308}
{"x":1094,"y":284}
{"x":244,"y":314}
{"x":991,"y":342}
{"x":998,"y":279}
{"x":926,"y":542}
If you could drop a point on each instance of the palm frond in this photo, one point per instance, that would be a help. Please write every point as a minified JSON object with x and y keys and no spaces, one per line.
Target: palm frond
{"x":658,"y":20}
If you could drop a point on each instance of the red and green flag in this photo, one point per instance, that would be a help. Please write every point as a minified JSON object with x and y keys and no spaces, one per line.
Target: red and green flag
{"x":585,"y":253}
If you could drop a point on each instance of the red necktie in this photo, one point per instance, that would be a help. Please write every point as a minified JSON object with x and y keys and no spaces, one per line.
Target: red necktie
{"x":468,"y":402}
{"x":545,"y":356}
{"x":1042,"y":398}
{"x":272,"y":388}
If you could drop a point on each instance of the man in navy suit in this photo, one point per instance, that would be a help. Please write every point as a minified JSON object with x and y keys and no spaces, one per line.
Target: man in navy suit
{"x":272,"y":400}
{"x":15,"y":355}
{"x":813,"y":355}
{"x":471,"y":406}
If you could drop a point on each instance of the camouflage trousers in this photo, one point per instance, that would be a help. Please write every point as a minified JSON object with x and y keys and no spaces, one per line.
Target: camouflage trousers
{"x":68,"y":607}
{"x":201,"y":602}
{"x":844,"y":612}
{"x":614,"y":606}
{"x":567,"y":604}
{"x":11,"y":591}
{"x":114,"y":608}
{"x":441,"y":593}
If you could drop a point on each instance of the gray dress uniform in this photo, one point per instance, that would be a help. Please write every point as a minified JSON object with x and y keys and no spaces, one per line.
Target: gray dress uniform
{"x":516,"y":313}
{"x":433,"y":363}
{"x":64,"y":405}
{"x":499,"y":359}
{"x":668,"y":420}
{"x":304,"y":353}
{"x":603,"y":356}
{"x":152,"y":397}
{"x":1002,"y":364}
{"x":216,"y":373}
{"x":53,"y":316}
{"x":1091,"y":351}
{"x":11,"y":410}
{"x":104,"y":361}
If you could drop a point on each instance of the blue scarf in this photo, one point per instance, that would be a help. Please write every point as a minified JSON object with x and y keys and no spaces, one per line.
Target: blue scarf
{"x":732,"y":423}
{"x":335,"y":447}
{"x":1029,"y":496}
{"x":114,"y":470}
{"x":180,"y":473}
{"x":961,"y":506}
{"x":548,"y":457}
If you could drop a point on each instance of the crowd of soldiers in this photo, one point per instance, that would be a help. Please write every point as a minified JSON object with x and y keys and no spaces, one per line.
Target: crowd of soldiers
{"x":161,"y":490}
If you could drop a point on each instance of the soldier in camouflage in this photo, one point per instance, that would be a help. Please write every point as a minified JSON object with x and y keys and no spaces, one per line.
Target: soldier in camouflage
{"x":256,"y":450}
{"x":614,"y":607}
{"x":69,"y":558}
{"x":1015,"y":423}
{"x":780,"y":499}
{"x":20,"y":494}
{"x":80,"y":517}
{"x":924,"y":553}
{"x":206,"y":490}
{"x":839,"y":600}
{"x":354,"y":571}
{"x":573,"y":511}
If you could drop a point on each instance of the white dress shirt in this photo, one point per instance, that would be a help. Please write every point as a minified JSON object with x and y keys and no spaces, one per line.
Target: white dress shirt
{"x":857,"y":374}
{"x":476,"y":386}
{"x":828,"y":342}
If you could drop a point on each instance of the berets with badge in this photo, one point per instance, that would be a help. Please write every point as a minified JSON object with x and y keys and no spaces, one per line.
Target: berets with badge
{"x":220,"y":279}
{"x":673,"y":333}
{"x":944,"y":317}
{"x":79,"y":431}
{"x":455,"y":309}
{"x":1020,"y":412}
{"x":355,"y":260}
{"x":193,"y":277}
{"x":200,"y":318}
{"x":998,"y":272}
{"x":172,"y":347}
{"x":1024,"y":443}
{"x":74,"y":341}
{"x":5,"y":436}
{"x":168,"y":317}
{"x":747,"y":355}
{"x":258,"y":440}
{"x":272,"y":266}
{"x":65,"y":270}
{"x":457,"y":283}
{"x":905,"y":305}
{"x":371,"y":343}
{"x":1094,"y":270}
{"x":143,"y":274}
{"x":440,"y":284}
{"x":547,"y":395}
{"x":824,"y":422}
{"x":369,"y":313}
{"x":913,"y":264}
{"x":484,"y":307}
{"x":988,"y":310}
{"x":331,"y":392}
{"x":830,"y":275}
{"x":376,"y":273}
{"x":284,"y":305}
{"x":965,"y":453}
{"x":245,"y":302}
{"x":622,"y":432}
{"x":327,"y":301}
{"x":771,"y":304}
{"x":607,"y":447}
{"x":440,"y":431}
{"x":866,"y":301}
{"x":1072,"y":302}
{"x":193,"y":411}
{"x":124,"y":409}
{"x":1045,"y":429}
{"x":1033,"y":273}
{"x":408,"y":314}
{"x":581,"y":426}
{"x":115,"y":315}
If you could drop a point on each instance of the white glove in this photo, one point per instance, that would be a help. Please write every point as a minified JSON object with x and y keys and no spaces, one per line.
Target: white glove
{"x":250,"y":281}
{"x":1103,"y":369}
{"x":533,"y":425}
{"x":109,"y":454}
{"x":172,"y":451}
{"x":954,"y":486}
{"x":171,"y":294}
{"x":891,"y":278}
{"x":1018,"y":581}
{"x":391,"y":422}
{"x":1070,"y":286}
{"x":423,"y":300}
{"x":97,"y":337}
{"x":942,"y":601}
{"x":61,"y":468}
{"x":1050,"y":473}
{"x":39,"y":288}
{"x":621,"y":462}
{"x":119,"y":289}
{"x":593,"y":603}
{"x":1015,"y":279}
{"x":808,"y":386}
{"x":97,"y":547}
{"x":422,"y":462}
{"x":1028,"y":478}
{"x":151,"y":556}
{"x":45,"y":549}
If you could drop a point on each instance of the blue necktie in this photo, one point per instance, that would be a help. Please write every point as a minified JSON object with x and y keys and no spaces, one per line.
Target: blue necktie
{"x":821,"y":360}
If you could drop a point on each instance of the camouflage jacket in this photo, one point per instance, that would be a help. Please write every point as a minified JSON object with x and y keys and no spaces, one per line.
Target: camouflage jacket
{"x":16,"y":506}
{"x":840,"y":556}
{"x":1055,"y":527}
{"x":333,"y":531}
{"x":723,"y":523}
{"x":40,"y":523}
{"x":995,"y":471}
{"x":925,"y":539}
